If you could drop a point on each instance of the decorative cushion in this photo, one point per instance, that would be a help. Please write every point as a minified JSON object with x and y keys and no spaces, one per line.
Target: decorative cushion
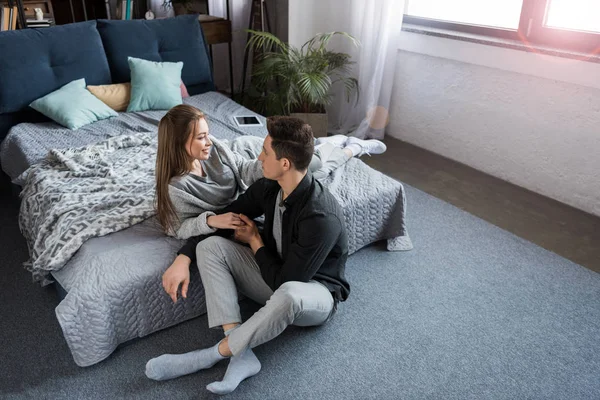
{"x":115,"y":96}
{"x":184,"y":92}
{"x":73,"y":106}
{"x":154,"y":85}
{"x":171,"y":39}
{"x":35,"y":62}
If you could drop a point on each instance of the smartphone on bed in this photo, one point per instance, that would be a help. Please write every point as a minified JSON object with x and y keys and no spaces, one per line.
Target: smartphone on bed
{"x":247,"y":120}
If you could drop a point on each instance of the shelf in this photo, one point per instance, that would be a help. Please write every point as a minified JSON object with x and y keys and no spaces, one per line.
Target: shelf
{"x":216,"y":30}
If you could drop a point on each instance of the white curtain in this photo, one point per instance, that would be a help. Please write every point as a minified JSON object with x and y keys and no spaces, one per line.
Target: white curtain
{"x":377,"y":25}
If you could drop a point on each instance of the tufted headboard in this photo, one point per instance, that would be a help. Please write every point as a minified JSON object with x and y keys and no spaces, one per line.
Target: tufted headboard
{"x":172,"y":39}
{"x":35,"y":62}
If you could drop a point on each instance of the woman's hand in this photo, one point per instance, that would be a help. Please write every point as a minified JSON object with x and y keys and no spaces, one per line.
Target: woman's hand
{"x":225,"y":221}
{"x":177,"y":274}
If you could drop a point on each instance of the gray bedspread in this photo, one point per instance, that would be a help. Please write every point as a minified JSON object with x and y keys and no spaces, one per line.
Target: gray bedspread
{"x":27,"y":143}
{"x":113,"y":282}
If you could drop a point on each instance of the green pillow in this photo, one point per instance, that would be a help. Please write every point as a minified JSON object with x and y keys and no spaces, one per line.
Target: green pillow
{"x":154,"y":85}
{"x":73,"y":106}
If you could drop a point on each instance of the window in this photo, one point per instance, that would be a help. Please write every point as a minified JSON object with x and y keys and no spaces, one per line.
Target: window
{"x":494,"y":13}
{"x":577,"y":15}
{"x":566,"y":24}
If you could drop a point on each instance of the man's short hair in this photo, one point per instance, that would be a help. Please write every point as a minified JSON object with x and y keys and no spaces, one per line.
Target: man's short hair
{"x":293,"y":139}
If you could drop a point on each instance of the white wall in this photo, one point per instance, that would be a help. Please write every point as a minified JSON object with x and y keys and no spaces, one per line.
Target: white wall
{"x":309,"y":17}
{"x":530,"y":119}
{"x":537,"y":132}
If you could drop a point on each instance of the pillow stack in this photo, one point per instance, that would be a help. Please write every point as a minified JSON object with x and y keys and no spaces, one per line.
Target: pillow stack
{"x":154,"y":86}
{"x":73,"y":106}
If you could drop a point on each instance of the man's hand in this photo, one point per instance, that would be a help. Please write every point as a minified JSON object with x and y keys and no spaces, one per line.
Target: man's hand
{"x":177,"y":274}
{"x":224,"y":221}
{"x":248,"y":233}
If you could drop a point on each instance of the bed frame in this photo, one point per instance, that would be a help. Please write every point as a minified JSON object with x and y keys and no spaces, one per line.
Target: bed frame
{"x":93,"y":323}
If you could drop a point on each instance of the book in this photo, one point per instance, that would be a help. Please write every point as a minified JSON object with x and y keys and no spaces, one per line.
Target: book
{"x":123,"y":9}
{"x":15,"y":14}
{"x":34,"y":23}
{"x":8,"y":18}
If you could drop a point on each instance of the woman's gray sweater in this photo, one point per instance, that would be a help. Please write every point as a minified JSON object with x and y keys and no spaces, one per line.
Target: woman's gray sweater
{"x":228,"y":174}
{"x":196,"y":198}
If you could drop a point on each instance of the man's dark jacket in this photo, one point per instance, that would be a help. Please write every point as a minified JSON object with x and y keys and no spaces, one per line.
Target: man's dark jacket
{"x":314,"y":240}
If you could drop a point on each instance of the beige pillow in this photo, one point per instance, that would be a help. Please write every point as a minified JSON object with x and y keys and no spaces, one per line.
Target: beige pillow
{"x":115,"y":96}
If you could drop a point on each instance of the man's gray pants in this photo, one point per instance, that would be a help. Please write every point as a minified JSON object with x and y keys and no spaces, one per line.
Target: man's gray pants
{"x":226,"y":267}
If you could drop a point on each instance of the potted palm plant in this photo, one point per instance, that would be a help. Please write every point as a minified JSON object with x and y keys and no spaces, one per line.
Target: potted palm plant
{"x":297,"y":81}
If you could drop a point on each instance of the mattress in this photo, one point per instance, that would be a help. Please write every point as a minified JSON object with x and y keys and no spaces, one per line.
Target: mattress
{"x":113,"y":282}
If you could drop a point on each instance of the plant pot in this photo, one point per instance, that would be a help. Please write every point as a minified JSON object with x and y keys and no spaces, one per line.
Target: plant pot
{"x":318,"y":122}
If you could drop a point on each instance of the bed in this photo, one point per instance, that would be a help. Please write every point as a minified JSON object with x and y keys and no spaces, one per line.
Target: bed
{"x":111,"y":261}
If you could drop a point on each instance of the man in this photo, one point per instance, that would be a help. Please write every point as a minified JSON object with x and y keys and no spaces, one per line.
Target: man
{"x":296,"y":268}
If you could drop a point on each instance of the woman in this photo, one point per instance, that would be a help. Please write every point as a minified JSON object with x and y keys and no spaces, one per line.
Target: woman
{"x":197,"y":175}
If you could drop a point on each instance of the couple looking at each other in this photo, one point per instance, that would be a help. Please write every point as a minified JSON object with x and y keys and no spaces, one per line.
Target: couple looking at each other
{"x":294,"y":268}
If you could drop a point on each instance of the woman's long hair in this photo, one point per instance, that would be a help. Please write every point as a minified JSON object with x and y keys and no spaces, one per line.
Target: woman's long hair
{"x":172,"y":159}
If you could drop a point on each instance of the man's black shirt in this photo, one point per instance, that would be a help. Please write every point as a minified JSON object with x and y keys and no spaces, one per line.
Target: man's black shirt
{"x":314,"y":240}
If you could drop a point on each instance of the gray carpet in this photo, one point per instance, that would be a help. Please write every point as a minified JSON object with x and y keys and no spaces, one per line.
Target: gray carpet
{"x":473,"y":312}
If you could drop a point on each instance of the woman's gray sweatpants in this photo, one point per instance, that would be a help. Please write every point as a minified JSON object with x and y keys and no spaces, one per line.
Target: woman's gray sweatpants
{"x":326,"y":159}
{"x":226,"y":267}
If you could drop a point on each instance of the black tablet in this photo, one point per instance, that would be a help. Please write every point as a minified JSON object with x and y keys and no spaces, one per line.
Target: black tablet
{"x":247,"y":120}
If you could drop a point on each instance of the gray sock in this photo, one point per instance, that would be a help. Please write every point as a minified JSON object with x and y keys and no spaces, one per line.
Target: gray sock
{"x":169,"y":366}
{"x":240,"y":367}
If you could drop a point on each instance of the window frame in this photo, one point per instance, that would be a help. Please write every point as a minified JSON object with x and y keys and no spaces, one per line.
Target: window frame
{"x":531,"y":30}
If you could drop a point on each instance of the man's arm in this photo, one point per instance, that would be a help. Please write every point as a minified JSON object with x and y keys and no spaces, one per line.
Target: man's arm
{"x":317,"y":235}
{"x":250,"y":203}
{"x":189,"y":248}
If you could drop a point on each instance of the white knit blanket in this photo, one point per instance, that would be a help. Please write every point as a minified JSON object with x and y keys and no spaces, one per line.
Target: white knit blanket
{"x":80,"y":193}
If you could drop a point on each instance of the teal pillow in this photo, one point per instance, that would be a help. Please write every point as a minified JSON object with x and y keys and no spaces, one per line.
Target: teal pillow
{"x":154,"y":85}
{"x":73,"y":106}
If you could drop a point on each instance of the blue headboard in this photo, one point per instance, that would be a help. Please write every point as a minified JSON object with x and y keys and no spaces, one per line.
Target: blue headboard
{"x":171,"y":39}
{"x":35,"y":62}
